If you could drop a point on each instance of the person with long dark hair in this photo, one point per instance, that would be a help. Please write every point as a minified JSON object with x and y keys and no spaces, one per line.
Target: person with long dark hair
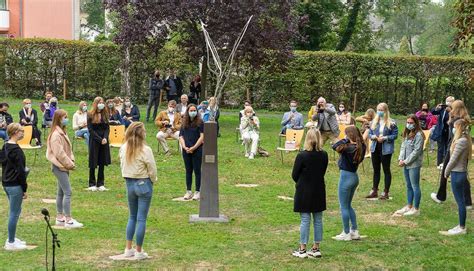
{"x":99,"y":149}
{"x":352,"y":151}
{"x":191,"y":137}
{"x":343,"y":116}
{"x":139,"y":170}
{"x":114,"y":114}
{"x":59,"y":153}
{"x":411,"y":159}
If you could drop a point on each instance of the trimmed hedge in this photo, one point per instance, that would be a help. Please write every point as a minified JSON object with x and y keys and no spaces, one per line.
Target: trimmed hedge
{"x":33,"y":65}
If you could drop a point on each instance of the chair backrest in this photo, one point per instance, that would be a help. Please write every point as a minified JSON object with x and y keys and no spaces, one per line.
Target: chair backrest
{"x":117,"y":134}
{"x":427,"y":138}
{"x":27,"y":137}
{"x":295,"y":135}
{"x":342,"y":131}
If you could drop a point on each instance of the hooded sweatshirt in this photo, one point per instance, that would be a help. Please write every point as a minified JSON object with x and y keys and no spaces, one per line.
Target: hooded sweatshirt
{"x":13,"y":166}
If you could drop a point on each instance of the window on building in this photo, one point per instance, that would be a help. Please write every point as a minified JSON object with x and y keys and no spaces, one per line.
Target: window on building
{"x":3,"y":4}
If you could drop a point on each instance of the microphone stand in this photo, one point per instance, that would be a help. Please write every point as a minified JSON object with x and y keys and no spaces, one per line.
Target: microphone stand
{"x":55,"y":241}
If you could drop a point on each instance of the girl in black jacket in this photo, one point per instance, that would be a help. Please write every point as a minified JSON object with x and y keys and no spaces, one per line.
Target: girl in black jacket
{"x":14,"y":173}
{"x":310,"y":196}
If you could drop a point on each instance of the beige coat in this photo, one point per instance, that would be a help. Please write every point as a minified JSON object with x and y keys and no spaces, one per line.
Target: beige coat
{"x":59,"y":151}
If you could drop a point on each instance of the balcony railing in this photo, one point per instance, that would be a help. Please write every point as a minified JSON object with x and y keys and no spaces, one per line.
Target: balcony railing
{"x":4,"y":20}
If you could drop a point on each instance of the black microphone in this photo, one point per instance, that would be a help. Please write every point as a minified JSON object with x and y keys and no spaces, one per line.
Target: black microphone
{"x":45,"y":212}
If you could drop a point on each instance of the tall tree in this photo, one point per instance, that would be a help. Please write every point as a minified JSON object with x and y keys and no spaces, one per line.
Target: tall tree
{"x":464,"y":22}
{"x":351,"y":25}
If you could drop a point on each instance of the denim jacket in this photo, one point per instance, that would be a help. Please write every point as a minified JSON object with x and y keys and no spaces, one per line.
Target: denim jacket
{"x":411,"y":151}
{"x":389,"y":134}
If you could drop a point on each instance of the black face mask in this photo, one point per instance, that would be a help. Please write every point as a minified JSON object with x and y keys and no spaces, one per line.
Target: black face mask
{"x":53,"y":104}
{"x":425,"y":110}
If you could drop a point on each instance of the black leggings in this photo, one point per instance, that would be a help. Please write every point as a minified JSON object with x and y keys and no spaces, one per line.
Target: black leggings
{"x":377,"y":159}
{"x":192,"y":162}
{"x":100,"y":177}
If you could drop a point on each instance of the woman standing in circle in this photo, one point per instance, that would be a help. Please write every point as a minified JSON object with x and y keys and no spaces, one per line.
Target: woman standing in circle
{"x":310,"y":195}
{"x":99,"y":150}
{"x":191,"y":137}
{"x":352,"y":150}
{"x":59,"y":153}
{"x":14,"y":174}
{"x":139,"y":170}
{"x":382,"y":133}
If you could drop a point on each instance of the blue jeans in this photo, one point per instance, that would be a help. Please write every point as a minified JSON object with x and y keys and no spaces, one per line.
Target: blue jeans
{"x":348,"y":183}
{"x":3,"y":134}
{"x":412,"y":178}
{"x":139,"y":192}
{"x":84,"y":133}
{"x":305,"y":225}
{"x":15,"y":197}
{"x":458,"y":181}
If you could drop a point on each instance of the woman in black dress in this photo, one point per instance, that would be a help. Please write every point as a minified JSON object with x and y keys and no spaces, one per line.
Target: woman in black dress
{"x":99,"y":151}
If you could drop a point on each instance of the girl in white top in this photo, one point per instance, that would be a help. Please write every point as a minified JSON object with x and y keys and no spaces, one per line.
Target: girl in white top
{"x":139,"y":170}
{"x":250,"y":126}
{"x":79,"y":122}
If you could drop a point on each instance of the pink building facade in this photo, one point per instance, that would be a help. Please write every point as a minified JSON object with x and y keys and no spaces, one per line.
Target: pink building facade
{"x":40,"y":19}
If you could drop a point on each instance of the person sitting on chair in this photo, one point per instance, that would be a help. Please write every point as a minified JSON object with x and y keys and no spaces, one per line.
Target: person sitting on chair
{"x":130,"y":112}
{"x":250,"y":126}
{"x":79,"y":123}
{"x":5,"y":119}
{"x":241,"y":112}
{"x":49,"y":112}
{"x":292,"y":119}
{"x":169,"y":123}
{"x":114,"y":114}
{"x":325,"y":115}
{"x":203,"y":110}
{"x":29,"y":117}
{"x":183,"y":106}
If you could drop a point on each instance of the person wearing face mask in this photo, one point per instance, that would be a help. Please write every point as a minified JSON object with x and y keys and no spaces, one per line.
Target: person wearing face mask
{"x":5,"y":120}
{"x":173,"y":86}
{"x":383,"y":133}
{"x":130,"y":112}
{"x":425,"y":117}
{"x":343,"y":116}
{"x":169,"y":124}
{"x":325,"y":115}
{"x":441,"y":132}
{"x":250,"y":128}
{"x":118,"y":104}
{"x":59,"y":153}
{"x":45,"y":104}
{"x":49,"y":112}
{"x":191,"y":138}
{"x":183,"y":105}
{"x":411,"y":159}
{"x":14,"y":175}
{"x":203,"y":110}
{"x":292,"y":119}
{"x":114,"y":114}
{"x":29,"y":117}
{"x":99,"y":149}
{"x":79,"y":122}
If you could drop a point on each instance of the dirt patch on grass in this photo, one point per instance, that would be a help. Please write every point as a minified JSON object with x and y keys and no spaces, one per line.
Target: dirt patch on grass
{"x":387,"y":219}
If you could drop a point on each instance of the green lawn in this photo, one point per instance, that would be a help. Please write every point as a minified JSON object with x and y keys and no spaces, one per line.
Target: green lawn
{"x":263,"y":229}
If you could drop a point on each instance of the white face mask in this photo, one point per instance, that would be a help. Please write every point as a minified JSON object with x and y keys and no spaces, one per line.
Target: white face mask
{"x":171,"y":109}
{"x":100,"y":106}
{"x":128,"y":104}
{"x":28,"y":106}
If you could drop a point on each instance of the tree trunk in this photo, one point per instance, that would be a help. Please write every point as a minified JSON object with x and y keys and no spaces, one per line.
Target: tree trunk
{"x":125,"y":70}
{"x":411,"y":45}
{"x":350,"y":28}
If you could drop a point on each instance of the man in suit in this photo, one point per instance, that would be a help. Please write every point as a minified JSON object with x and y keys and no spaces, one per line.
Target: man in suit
{"x":173,"y":86}
{"x":155,"y":86}
{"x":169,"y":124}
{"x":292,"y":119}
{"x":325,"y":115}
{"x":29,"y":117}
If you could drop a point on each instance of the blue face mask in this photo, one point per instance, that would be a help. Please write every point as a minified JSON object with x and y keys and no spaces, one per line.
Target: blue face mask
{"x":293,"y":109}
{"x":410,"y":126}
{"x":380,"y":114}
{"x":192,"y":114}
{"x":65,"y":122}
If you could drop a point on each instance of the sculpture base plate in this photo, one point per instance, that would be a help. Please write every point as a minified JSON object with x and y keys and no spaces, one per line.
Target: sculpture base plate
{"x":198,"y":219}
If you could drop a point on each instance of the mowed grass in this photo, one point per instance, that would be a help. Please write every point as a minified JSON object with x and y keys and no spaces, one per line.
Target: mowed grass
{"x":263,"y":229}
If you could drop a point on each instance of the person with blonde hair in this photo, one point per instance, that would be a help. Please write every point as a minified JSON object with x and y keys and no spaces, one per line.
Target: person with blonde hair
{"x":250,"y":129}
{"x":310,"y":195}
{"x":461,"y":153}
{"x":14,"y":175}
{"x":59,"y":153}
{"x":383,"y":133}
{"x":457,"y":111}
{"x":49,"y":111}
{"x":99,"y":149}
{"x":352,"y":151}
{"x":139,"y":171}
{"x":29,"y":117}
{"x":79,"y":122}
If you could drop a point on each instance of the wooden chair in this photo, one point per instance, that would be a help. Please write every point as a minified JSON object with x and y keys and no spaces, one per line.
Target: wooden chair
{"x":425,"y":144}
{"x":292,"y":135}
{"x":25,"y":142}
{"x":117,"y":136}
{"x":342,"y":131}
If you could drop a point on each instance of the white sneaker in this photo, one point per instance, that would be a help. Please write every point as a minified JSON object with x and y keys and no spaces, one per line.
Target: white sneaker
{"x":300,"y":253}
{"x":17,"y":240}
{"x":454,"y":231}
{"x":188,"y":195}
{"x":14,"y":246}
{"x":469,"y":207}
{"x":412,"y":211}
{"x":141,"y":255}
{"x":247,"y":155}
{"x":251,"y":156}
{"x":197,"y":195}
{"x":315,"y":253}
{"x":92,"y":188}
{"x":60,"y":222}
{"x":102,"y":188}
{"x":440,"y":166}
{"x":355,"y":235}
{"x":435,"y":198}
{"x":402,"y":211}
{"x":72,"y":224}
{"x":129,"y":252}
{"x":343,"y":237}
